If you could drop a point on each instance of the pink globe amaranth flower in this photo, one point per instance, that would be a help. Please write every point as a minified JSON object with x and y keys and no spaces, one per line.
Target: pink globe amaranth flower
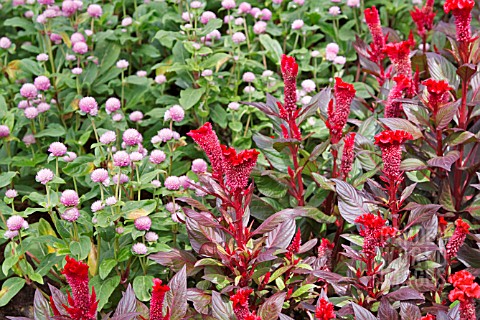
{"x":110,"y":201}
{"x":42,"y":57}
{"x":176,"y":113}
{"x":42,"y":83}
{"x":43,"y":107}
{"x":187,"y":16}
{"x":348,"y":154}
{"x":94,"y":11}
{"x":207,"y":16}
{"x":119,"y":230}
{"x":70,"y":215}
{"x":70,"y":57}
{"x":165,"y":134}
{"x":123,"y":178}
{"x":297,"y":24}
{"x":108,"y":137}
{"x":156,"y":183}
{"x":121,"y":159}
{"x":156,"y":303}
{"x":266,"y":14}
{"x":214,"y":35}
{"x":112,"y":105}
{"x":143,"y":223}
{"x":233,"y":106}
{"x":249,"y":89}
{"x":139,"y":248}
{"x":80,"y":48}
{"x":41,"y":18}
{"x":29,"y":91}
{"x":260,"y":27}
{"x":56,"y":38}
{"x":393,"y":107}
{"x":117,"y":117}
{"x":69,"y":7}
{"x":77,"y":71}
{"x":151,"y":236}
{"x":136,"y":116}
{"x":341,"y":60}
{"x":308,"y":85}
{"x":132,"y":137}
{"x":136,"y":156}
{"x":195,"y":4}
{"x":238,"y":37}
{"x":122,"y":64}
{"x":30,"y":112}
{"x":255,"y":12}
{"x":4,"y":131}
{"x":170,"y":207}
{"x":353,"y":3}
{"x":461,"y":10}
{"x":228,"y":4}
{"x":160,"y":79}
{"x":372,"y":19}
{"x":331,"y":51}
{"x":5,"y":43}
{"x":46,"y":2}
{"x":299,"y":2}
{"x":248,"y":77}
{"x":97,"y":206}
{"x":277,"y":1}
{"x":11,"y":193}
{"x":89,"y":106}
{"x":244,"y":8}
{"x":15,"y":223}
{"x":57,"y":149}
{"x":29,"y":14}
{"x":205,"y":73}
{"x":29,"y":139}
{"x":172,"y":183}
{"x":127,"y":21}
{"x":70,"y":156}
{"x":23,"y":104}
{"x":337,"y":117}
{"x":207,"y":139}
{"x":141,"y":73}
{"x":176,"y":135}
{"x":390,"y":142}
{"x":199,"y":166}
{"x":77,"y":37}
{"x":10,"y":234}
{"x":157,"y":156}
{"x":69,"y":198}
{"x":99,"y":175}
{"x":334,"y":11}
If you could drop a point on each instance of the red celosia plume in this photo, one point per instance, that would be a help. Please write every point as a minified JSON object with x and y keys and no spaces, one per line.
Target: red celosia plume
{"x":337,"y":117}
{"x":240,"y":303}
{"x":348,"y":154}
{"x":457,"y":240}
{"x":207,"y":139}
{"x":238,"y":167}
{"x":373,"y":22}
{"x":156,"y":303}
{"x":390,"y":142}
{"x":461,"y":10}
{"x":324,"y":310}
{"x":465,"y":290}
{"x":289,"y":73}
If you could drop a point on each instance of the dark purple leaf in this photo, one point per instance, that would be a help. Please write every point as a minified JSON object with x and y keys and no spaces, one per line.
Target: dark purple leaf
{"x":203,"y":218}
{"x":178,"y":288}
{"x":361,"y":313}
{"x":350,"y":204}
{"x":407,"y":192}
{"x":466,"y":71}
{"x":422,"y":285}
{"x":200,"y":299}
{"x":282,"y":316}
{"x":320,"y":100}
{"x":41,"y":307}
{"x":192,"y":202}
{"x":446,"y":161}
{"x":454,"y":313}
{"x":261,"y":106}
{"x":21,"y":318}
{"x":272,"y":307}
{"x":469,"y":256}
{"x":307,"y":245}
{"x":402,"y":124}
{"x":386,"y":311}
{"x":409,"y":311}
{"x":59,"y":299}
{"x":421,"y":212}
{"x":442,"y":69}
{"x":128,"y":303}
{"x":221,"y":310}
{"x":403,"y":294}
{"x":446,"y":114}
{"x":273,"y":221}
{"x":266,"y":255}
{"x":126,"y":316}
{"x":175,"y":260}
{"x":281,"y":236}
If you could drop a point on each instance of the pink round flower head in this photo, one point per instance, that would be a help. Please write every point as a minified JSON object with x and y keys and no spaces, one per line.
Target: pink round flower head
{"x":77,"y":37}
{"x":248,"y":77}
{"x":123,"y":178}
{"x":15,"y":223}
{"x":334,"y":11}
{"x":127,"y":21}
{"x":30,"y":112}
{"x":94,"y":11}
{"x":70,"y":156}
{"x":28,"y":90}
{"x":41,"y":18}
{"x":69,"y":198}
{"x":110,"y":201}
{"x":108,"y":137}
{"x":136,"y":116}
{"x":23,"y":104}
{"x":89,"y":106}
{"x":249,"y":89}
{"x":266,"y":14}
{"x":185,"y":182}
{"x":141,"y":73}
{"x":172,"y":183}
{"x":207,"y":16}
{"x":156,"y":183}
{"x":4,"y":131}
{"x":299,"y":2}
{"x":238,"y":37}
{"x":355,"y":3}
{"x":341,"y":60}
{"x":187,"y":16}
{"x":77,"y":71}
{"x":5,"y":43}
{"x":70,"y":57}
{"x":42,"y":83}
{"x":157,"y":156}
{"x":176,"y":135}
{"x":297,"y":24}
{"x":228,"y":18}
{"x":80,"y":48}
{"x":260,"y":27}
{"x":119,"y":230}
{"x":112,"y":105}
{"x":172,"y":208}
{"x":255,"y":12}
{"x":11,"y":193}
{"x":139,"y":248}
{"x":10,"y":234}
{"x":56,"y":38}
{"x":29,"y":139}
{"x":97,"y":206}
{"x":69,"y":7}
{"x":42,"y":57}
{"x":136,"y":156}
{"x":244,"y":7}
{"x":308,"y":85}
{"x":233,"y":105}
{"x":176,"y":113}
{"x":331,"y":51}
{"x":195,"y":4}
{"x":44,"y":176}
{"x":121,"y":159}
{"x":239,"y":21}
{"x":165,"y":134}
{"x":57,"y":149}
{"x":151,"y":236}
{"x":207,"y":73}
{"x":117,"y":117}
{"x":122,"y":64}
{"x":132,"y":137}
{"x":70,"y":215}
{"x":43,"y":107}
{"x":99,"y":175}
{"x":199,"y":166}
{"x":228,"y":4}
{"x":160,"y":79}
{"x":143,"y":223}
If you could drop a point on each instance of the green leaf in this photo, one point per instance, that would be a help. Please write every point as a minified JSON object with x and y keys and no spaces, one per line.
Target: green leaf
{"x":105,"y":267}
{"x":81,"y":248}
{"x":190,"y":97}
{"x":53,"y":130}
{"x":8,"y":263}
{"x":142,"y":286}
{"x":9,"y":289}
{"x":270,"y":187}
{"x":6,"y":178}
{"x":274,"y":50}
{"x":219,"y":116}
{"x":105,"y":290}
{"x":303,"y":289}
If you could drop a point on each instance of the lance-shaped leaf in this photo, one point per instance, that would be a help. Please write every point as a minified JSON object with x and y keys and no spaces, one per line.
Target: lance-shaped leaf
{"x":175,"y":259}
{"x":177,"y":295}
{"x":350,"y":203}
{"x":272,"y":307}
{"x":446,"y":161}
